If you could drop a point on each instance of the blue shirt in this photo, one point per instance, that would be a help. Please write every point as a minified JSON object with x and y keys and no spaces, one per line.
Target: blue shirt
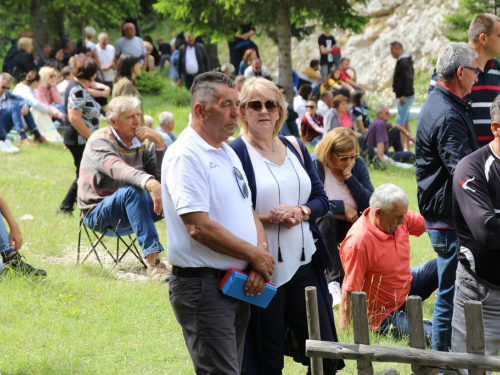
{"x":168,"y":138}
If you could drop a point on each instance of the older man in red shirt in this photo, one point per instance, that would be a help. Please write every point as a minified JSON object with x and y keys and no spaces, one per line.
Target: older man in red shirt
{"x":376,"y":258}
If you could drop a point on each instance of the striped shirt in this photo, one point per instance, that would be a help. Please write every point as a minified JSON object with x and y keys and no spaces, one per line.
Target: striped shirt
{"x":107,"y":165}
{"x":484,"y":92}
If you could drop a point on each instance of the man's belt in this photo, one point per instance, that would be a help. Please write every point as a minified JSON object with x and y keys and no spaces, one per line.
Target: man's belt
{"x":198,"y":272}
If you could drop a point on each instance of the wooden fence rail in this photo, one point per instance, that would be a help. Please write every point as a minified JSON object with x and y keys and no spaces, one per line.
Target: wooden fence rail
{"x":422,"y":361}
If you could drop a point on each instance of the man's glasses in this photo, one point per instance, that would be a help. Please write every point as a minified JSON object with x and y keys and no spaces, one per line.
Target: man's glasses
{"x":476,"y":70}
{"x":241,"y":182}
{"x":346,"y":157}
{"x":271,"y":105}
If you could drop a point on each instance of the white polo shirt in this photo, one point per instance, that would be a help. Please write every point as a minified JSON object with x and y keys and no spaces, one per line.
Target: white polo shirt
{"x":197,"y":177}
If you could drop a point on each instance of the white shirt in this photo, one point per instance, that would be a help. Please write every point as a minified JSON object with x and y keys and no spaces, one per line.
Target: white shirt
{"x":286,"y":184}
{"x":336,"y":190}
{"x":322,"y":108}
{"x":90,"y":45}
{"x":106,"y":57}
{"x":61,"y":87}
{"x":299,"y":106}
{"x":191,"y":62}
{"x":26,"y":92}
{"x":197,"y":177}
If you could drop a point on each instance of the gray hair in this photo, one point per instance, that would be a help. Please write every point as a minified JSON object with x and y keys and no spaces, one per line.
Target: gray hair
{"x":101,"y":35}
{"x":227,"y":68}
{"x":148,"y":121}
{"x":90,"y":32}
{"x":495,"y":109}
{"x":386,"y":195}
{"x":256,"y":61}
{"x":452,"y":56}
{"x":5,"y":77}
{"x":381,"y":107}
{"x":204,"y":86}
{"x":121,"y":104}
{"x":165,"y":117}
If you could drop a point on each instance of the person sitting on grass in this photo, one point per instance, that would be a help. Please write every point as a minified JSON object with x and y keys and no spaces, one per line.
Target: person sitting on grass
{"x":376,"y":259}
{"x":10,"y":244}
{"x":311,"y":126}
{"x":166,"y":123}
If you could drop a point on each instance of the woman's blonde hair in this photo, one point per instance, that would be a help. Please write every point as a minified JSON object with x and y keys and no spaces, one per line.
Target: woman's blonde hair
{"x":24,"y":42}
{"x":148,"y":46}
{"x":339,"y":140}
{"x":246,"y":55}
{"x":270,"y":91}
{"x":45,"y":72}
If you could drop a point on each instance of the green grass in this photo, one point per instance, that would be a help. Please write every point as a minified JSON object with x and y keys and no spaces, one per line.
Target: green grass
{"x":81,"y":320}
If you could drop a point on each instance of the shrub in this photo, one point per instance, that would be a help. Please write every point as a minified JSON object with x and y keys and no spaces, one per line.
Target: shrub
{"x":149,"y":84}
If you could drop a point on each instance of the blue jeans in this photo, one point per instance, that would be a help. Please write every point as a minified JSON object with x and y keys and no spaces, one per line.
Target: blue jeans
{"x":445,"y":245}
{"x":129,"y":208}
{"x":5,"y":249}
{"x":404,"y":110}
{"x":11,"y":118}
{"x":423,"y":284}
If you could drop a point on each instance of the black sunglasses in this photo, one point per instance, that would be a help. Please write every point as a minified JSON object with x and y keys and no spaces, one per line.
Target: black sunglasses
{"x":342,"y":158}
{"x":5,"y":88}
{"x":310,"y":106}
{"x":476,"y":70}
{"x":241,"y":182}
{"x":271,"y":105}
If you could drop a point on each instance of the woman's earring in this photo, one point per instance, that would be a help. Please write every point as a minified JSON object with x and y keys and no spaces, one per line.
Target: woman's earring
{"x":245,"y":118}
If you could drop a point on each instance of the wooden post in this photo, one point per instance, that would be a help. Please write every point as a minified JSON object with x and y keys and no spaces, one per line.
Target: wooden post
{"x":474,"y":329}
{"x":360,"y":325}
{"x":313,"y":327}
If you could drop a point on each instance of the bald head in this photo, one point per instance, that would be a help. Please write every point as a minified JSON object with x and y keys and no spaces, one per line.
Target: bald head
{"x":129,"y":30}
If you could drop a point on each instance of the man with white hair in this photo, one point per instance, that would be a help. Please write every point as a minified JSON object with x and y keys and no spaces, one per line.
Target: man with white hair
{"x":445,"y":134}
{"x":166,"y":123}
{"x":376,"y":258}
{"x":106,"y":57}
{"x":119,"y":183}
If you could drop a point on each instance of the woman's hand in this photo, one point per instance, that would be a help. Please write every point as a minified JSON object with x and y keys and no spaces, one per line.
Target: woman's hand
{"x":287,"y":216}
{"x":350,"y":213}
{"x":347,"y":172}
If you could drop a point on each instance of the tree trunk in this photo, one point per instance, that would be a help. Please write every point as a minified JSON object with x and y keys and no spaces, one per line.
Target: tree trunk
{"x":213,"y":55}
{"x":58,"y":27}
{"x":37,"y":17}
{"x":285,"y":50}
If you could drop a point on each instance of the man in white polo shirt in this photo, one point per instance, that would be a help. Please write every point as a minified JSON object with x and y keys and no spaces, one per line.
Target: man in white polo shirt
{"x":211,"y":227}
{"x":106,"y":54}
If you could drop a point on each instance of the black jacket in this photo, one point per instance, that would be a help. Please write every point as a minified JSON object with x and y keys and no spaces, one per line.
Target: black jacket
{"x":402,"y":82}
{"x":21,"y":63}
{"x":445,"y":134}
{"x":201,"y":57}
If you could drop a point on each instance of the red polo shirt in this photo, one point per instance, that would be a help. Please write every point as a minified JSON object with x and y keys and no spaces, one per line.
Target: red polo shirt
{"x":378,"y":264}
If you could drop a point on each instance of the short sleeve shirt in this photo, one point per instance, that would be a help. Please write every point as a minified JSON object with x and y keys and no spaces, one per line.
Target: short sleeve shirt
{"x":134,"y":45}
{"x":328,"y":42}
{"x":378,"y":132}
{"x":197,"y":177}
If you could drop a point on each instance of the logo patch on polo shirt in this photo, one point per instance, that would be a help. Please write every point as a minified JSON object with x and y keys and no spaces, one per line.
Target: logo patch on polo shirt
{"x":212,"y":165}
{"x":463,"y":183}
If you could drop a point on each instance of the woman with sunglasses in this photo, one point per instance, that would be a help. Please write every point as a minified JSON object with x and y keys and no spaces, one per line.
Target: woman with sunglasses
{"x":47,"y":92}
{"x":311,"y":126}
{"x":347,"y":186}
{"x":287,"y":197}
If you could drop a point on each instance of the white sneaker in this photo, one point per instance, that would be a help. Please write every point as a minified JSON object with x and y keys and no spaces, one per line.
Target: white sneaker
{"x":5,"y":148}
{"x":334,"y":289}
{"x":11,"y":146}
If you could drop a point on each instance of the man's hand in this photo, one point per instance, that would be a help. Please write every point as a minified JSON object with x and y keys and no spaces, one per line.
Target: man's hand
{"x":154,"y":189}
{"x":179,"y":82}
{"x":143,"y":132}
{"x":255,"y":284}
{"x":262,"y":262}
{"x":402,"y":100}
{"x":24,"y":110}
{"x":350,"y":213}
{"x":15,"y":238}
{"x":412,"y":138}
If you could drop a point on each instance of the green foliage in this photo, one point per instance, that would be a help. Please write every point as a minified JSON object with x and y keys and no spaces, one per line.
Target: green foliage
{"x":177,"y":96}
{"x":150,"y":84}
{"x":458,"y":24}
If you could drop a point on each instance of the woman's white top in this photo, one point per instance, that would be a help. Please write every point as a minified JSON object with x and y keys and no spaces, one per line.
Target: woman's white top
{"x":292,"y":180}
{"x":336,"y":190}
{"x":26,"y":92}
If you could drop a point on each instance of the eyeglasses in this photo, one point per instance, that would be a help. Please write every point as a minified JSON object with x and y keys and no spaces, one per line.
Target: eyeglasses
{"x":310,"y":106}
{"x":52,"y":76}
{"x":241,"y":182}
{"x":476,"y":70}
{"x":271,"y":105}
{"x":346,"y":157}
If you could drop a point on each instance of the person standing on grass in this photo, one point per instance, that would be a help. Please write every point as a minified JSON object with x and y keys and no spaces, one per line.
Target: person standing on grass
{"x":402,"y":85}
{"x":445,"y":134}
{"x":476,"y":203}
{"x":376,"y":259}
{"x":11,"y":243}
{"x":211,"y":227}
{"x":119,"y":183}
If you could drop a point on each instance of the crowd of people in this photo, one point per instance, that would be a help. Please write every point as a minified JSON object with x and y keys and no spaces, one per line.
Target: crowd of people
{"x":262,"y":204}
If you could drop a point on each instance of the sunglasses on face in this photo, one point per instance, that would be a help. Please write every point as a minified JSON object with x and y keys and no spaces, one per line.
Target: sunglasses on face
{"x":241,"y":182}
{"x":476,"y":70}
{"x":346,"y":157}
{"x":271,"y":105}
{"x":310,"y":106}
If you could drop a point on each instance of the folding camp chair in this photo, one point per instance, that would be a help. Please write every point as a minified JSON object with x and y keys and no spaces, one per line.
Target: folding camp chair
{"x":121,"y":237}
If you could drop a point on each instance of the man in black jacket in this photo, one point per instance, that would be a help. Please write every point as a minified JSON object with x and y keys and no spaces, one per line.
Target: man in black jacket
{"x":193,"y":60}
{"x":445,"y":134}
{"x":402,"y":85}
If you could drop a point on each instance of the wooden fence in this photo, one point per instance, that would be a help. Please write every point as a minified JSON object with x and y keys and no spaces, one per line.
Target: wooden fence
{"x":422,"y":361}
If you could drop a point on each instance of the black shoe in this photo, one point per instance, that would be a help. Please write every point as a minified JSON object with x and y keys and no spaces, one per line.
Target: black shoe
{"x":17,"y":264}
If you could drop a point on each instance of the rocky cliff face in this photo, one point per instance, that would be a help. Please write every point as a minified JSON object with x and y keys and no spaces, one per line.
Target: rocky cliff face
{"x":417,"y":24}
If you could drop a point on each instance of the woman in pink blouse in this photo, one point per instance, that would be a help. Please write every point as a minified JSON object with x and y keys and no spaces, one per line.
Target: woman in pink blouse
{"x":47,"y":93}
